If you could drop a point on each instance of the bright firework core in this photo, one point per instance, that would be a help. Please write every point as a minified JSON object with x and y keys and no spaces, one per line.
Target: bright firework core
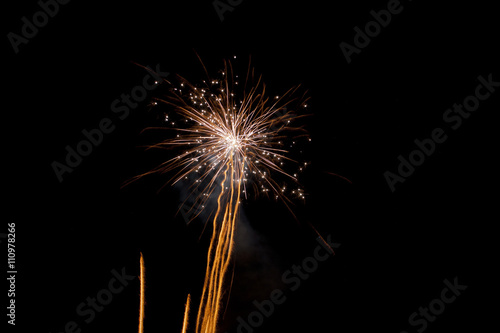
{"x":233,"y":143}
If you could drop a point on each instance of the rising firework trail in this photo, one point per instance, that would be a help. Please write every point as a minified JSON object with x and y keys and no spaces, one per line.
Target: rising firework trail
{"x":186,"y":314}
{"x":234,"y":139}
{"x":142,"y":301}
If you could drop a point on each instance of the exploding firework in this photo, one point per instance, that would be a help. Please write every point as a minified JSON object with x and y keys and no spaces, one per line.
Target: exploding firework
{"x":233,"y":140}
{"x":224,"y":120}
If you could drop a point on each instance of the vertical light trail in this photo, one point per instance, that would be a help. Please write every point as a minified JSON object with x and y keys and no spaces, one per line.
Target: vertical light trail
{"x":219,"y":254}
{"x":142,"y":296}
{"x":186,"y":314}
{"x":204,"y":309}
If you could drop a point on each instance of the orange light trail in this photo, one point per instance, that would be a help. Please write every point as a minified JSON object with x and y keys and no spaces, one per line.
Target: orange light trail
{"x":186,"y":314}
{"x":219,"y":255}
{"x":142,"y":295}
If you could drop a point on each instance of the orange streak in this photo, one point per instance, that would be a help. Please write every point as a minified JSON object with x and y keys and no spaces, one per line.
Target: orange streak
{"x":142,"y":297}
{"x":186,"y":314}
{"x":219,"y":254}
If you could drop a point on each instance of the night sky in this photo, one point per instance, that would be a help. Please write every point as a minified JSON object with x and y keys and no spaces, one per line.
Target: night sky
{"x":394,"y":247}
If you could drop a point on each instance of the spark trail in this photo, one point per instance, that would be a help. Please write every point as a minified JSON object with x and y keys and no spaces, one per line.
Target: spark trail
{"x":142,"y":295}
{"x":186,"y":314}
{"x":219,"y":254}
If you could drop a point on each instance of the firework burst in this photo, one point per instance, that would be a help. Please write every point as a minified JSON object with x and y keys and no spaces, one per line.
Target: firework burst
{"x":224,"y":119}
{"x":234,"y":140}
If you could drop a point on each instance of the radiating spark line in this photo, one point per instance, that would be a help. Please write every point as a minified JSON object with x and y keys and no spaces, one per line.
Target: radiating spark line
{"x":344,"y":178}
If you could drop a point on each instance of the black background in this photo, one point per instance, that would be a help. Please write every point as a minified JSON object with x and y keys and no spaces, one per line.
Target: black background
{"x":396,"y":248}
